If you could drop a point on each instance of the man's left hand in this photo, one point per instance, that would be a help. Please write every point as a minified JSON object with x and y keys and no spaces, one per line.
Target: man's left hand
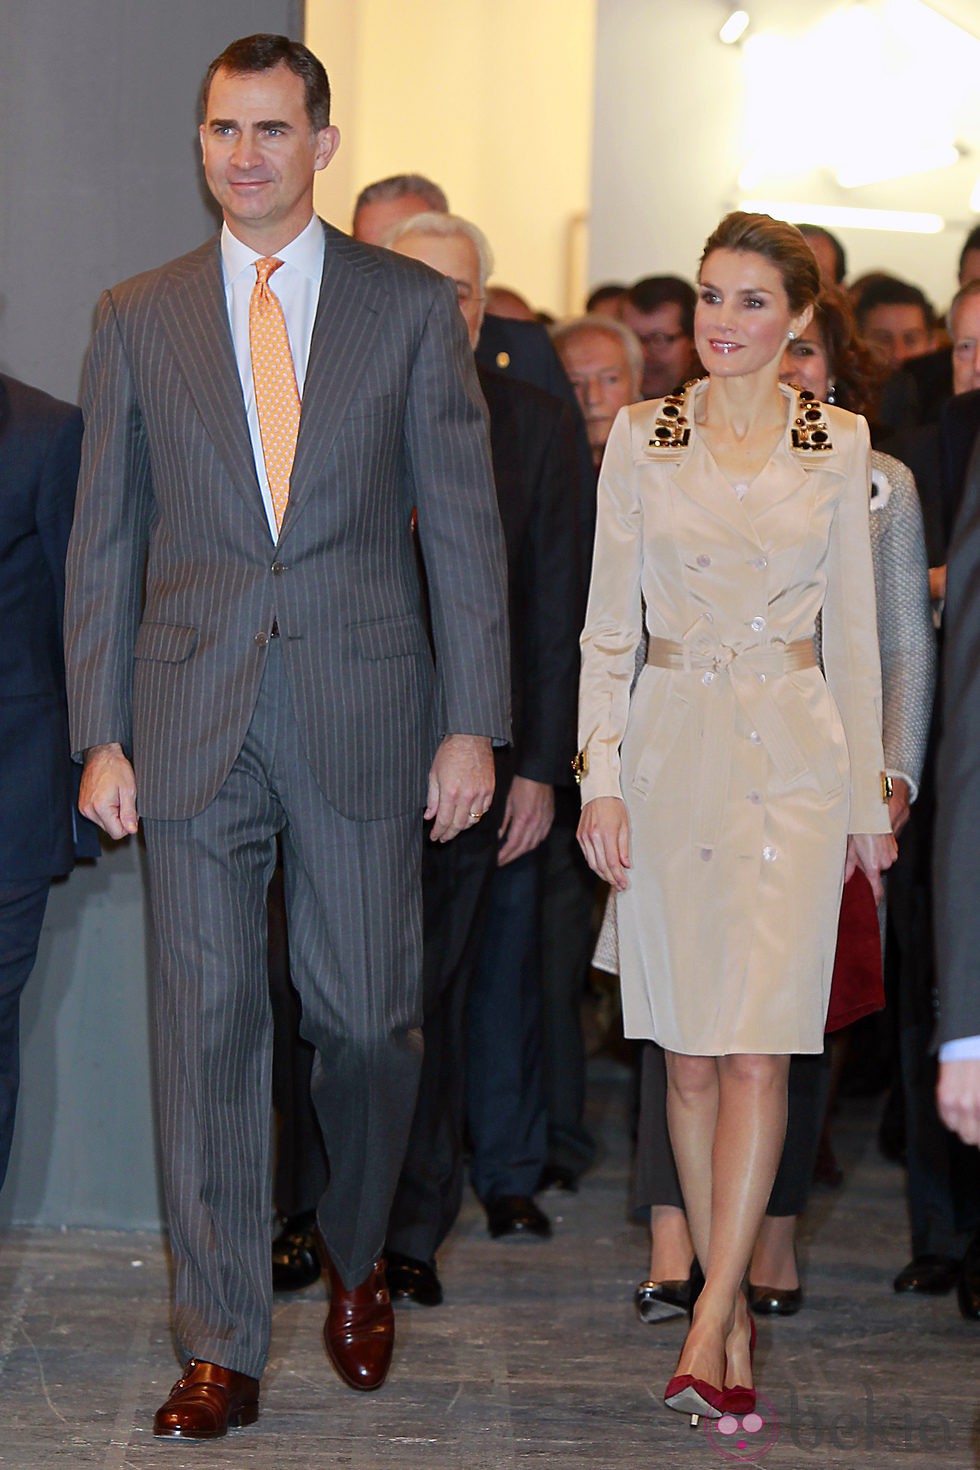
{"x":528,"y":814}
{"x":461,"y":785}
{"x":958,"y":1097}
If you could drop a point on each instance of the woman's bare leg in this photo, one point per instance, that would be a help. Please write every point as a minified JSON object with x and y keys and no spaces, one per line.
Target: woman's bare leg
{"x":726,"y":1173}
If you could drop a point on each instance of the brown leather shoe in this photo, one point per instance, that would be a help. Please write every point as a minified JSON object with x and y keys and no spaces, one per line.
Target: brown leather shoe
{"x":359,"y":1332}
{"x":206,"y":1401}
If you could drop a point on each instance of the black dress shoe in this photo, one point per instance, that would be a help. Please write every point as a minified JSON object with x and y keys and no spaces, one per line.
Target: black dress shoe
{"x":929,"y":1275}
{"x":968,"y":1285}
{"x":658,"y":1301}
{"x":553,"y":1176}
{"x":775,"y":1301}
{"x":516,"y":1215}
{"x":412,"y":1280}
{"x":295,"y":1257}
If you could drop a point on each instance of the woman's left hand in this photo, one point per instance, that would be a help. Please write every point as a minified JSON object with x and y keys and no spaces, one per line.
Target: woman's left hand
{"x":872,"y":852}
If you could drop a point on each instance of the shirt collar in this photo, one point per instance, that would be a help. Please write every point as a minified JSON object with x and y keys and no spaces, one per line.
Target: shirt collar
{"x":304,"y":253}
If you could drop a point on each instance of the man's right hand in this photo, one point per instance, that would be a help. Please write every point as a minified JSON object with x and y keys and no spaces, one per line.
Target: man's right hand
{"x":108,"y":791}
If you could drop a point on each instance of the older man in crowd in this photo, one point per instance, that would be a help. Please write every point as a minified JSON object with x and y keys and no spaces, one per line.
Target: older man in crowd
{"x":481,"y":896}
{"x":604,"y":361}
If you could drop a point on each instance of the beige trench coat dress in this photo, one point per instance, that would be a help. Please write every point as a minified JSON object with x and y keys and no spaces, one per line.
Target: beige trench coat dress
{"x":742,"y":768}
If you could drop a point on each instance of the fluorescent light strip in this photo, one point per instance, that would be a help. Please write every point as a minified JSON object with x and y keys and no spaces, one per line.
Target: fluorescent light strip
{"x":902,"y":221}
{"x":734,"y":28}
{"x":861,"y":170}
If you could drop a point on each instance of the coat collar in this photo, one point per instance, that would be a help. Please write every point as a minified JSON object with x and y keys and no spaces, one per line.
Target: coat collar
{"x":671,"y":437}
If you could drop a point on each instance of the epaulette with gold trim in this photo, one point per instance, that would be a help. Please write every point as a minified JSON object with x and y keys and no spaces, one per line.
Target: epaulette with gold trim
{"x":671,"y":429}
{"x":810,"y":431}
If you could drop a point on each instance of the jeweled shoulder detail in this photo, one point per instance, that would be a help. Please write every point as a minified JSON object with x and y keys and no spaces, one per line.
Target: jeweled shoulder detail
{"x":809,"y":433}
{"x":671,"y":427}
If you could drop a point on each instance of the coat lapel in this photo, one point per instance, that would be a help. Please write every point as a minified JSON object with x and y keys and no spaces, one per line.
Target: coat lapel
{"x":790,"y":471}
{"x":196,"y":321}
{"x":348,"y":316}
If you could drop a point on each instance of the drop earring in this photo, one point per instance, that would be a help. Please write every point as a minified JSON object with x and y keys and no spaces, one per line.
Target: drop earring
{"x":831,"y":395}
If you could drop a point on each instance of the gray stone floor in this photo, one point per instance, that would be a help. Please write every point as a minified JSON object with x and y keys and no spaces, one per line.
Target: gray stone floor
{"x":536,"y":1358}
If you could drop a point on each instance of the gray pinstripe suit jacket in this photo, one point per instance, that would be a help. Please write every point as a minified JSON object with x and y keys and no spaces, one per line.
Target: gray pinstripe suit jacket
{"x":168,"y":500}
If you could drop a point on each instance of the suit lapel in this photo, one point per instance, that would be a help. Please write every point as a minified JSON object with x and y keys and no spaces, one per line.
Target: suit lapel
{"x":348,"y":317}
{"x":195,"y":319}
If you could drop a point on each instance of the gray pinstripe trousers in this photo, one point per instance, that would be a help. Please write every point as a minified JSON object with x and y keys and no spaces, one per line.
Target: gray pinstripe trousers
{"x":354,"y":911}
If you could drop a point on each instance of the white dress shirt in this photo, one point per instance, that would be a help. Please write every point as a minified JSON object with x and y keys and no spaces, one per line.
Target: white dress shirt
{"x":967,"y":1048}
{"x":297,"y":285}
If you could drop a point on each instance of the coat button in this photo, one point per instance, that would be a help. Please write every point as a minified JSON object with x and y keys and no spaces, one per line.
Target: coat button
{"x":278,"y":568}
{"x":708,"y":677}
{"x":261,"y":639}
{"x":757,"y":624}
{"x":706,"y":854}
{"x":770,"y":854}
{"x":755,"y":737}
{"x":704,"y":561}
{"x":760,"y":563}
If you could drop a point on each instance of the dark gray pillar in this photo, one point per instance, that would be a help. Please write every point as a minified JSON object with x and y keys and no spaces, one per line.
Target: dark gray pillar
{"x":99,"y":178}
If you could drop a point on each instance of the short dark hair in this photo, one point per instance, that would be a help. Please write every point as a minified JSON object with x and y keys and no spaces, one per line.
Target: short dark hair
{"x":652,"y":292}
{"x":776,"y":241}
{"x":610,"y":291}
{"x":882,"y":290}
{"x":263,"y":52}
{"x":858,"y":373}
{"x":811,"y":232}
{"x":972,"y":242}
{"x":397,"y":186}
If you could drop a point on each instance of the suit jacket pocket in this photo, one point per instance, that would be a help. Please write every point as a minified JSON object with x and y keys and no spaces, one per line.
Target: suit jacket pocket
{"x":388,"y":638}
{"x":657,"y":742}
{"x":164,"y":643}
{"x":362,"y":408}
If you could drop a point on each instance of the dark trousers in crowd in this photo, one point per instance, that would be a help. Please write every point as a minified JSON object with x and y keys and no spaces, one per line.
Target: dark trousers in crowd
{"x":21,"y":916}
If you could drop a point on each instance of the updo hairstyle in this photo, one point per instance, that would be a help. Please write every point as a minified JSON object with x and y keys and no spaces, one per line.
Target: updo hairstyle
{"x":776,"y":241}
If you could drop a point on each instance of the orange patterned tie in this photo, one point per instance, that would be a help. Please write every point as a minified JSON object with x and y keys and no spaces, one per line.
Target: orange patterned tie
{"x":276,"y":395}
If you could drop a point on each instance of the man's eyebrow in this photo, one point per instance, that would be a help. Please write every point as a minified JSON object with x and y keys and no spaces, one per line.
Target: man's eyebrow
{"x":265,"y":122}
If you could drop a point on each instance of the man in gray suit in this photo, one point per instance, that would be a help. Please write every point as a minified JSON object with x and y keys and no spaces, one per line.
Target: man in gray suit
{"x":275,"y":676}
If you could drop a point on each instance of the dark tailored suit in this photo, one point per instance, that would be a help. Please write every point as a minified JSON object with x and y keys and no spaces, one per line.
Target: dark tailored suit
{"x":282,"y":689}
{"x":568,"y":886}
{"x":532,"y":441}
{"x":535,"y":471}
{"x":39,"y":840}
{"x":957,"y":849}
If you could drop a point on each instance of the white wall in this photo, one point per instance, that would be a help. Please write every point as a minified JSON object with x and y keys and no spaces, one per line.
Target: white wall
{"x":670,"y":134}
{"x":491,"y":98}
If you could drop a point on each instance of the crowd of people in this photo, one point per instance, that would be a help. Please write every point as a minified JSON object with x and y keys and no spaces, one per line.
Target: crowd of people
{"x":343,"y":511}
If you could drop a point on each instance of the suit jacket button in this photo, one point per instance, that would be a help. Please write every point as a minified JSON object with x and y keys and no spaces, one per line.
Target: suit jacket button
{"x":261,"y":639}
{"x":278,"y":568}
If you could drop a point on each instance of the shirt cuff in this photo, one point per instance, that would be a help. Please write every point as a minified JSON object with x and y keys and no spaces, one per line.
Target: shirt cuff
{"x":903,"y":776}
{"x":966,"y":1049}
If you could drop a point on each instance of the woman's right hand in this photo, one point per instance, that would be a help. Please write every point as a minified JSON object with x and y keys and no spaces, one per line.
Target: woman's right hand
{"x":604,"y":837}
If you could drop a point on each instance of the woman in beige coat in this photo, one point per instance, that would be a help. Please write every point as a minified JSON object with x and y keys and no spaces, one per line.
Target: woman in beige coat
{"x":718,"y":802}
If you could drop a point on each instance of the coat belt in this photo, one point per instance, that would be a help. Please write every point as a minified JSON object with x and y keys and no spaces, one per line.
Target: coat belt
{"x":749,"y":670}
